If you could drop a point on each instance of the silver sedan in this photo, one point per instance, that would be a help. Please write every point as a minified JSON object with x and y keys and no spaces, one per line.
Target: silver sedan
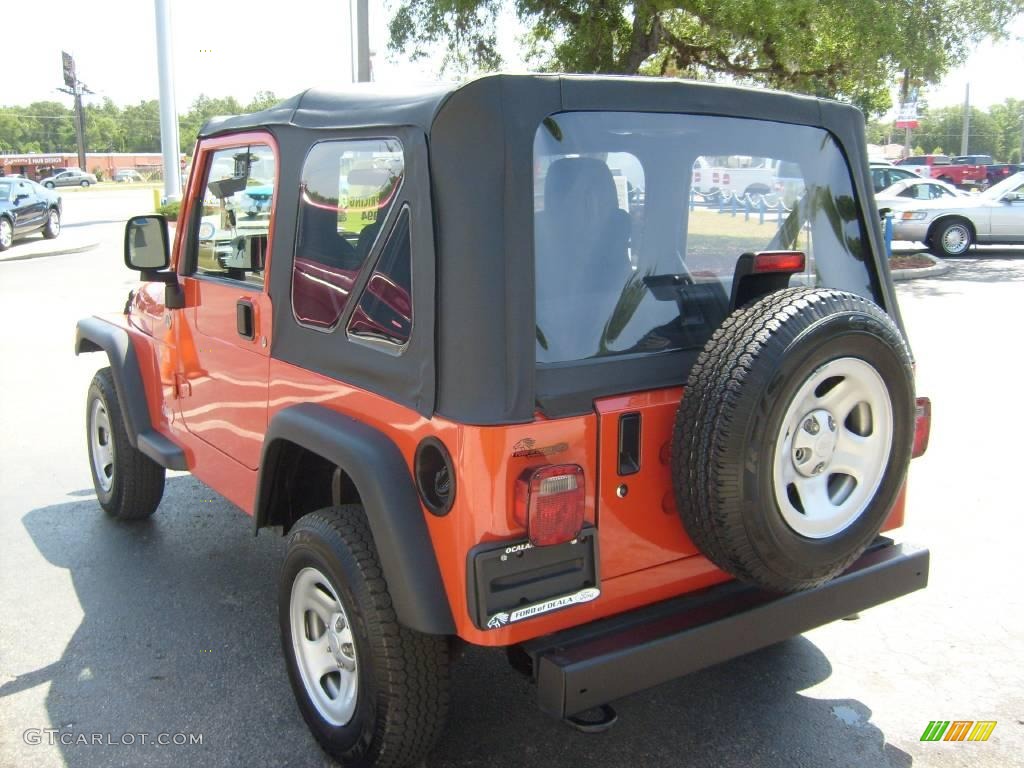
{"x":949,"y":226}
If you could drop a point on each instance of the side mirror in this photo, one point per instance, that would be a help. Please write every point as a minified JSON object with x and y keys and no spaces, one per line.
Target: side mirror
{"x":145,"y":243}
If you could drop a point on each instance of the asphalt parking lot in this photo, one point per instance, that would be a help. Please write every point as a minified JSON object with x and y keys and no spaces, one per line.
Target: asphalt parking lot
{"x":169,"y":627}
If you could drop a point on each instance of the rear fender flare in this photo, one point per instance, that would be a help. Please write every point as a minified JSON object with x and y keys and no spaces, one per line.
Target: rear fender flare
{"x":382,"y":479}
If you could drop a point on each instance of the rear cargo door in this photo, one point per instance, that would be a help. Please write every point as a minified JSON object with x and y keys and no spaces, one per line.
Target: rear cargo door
{"x":637,"y":518}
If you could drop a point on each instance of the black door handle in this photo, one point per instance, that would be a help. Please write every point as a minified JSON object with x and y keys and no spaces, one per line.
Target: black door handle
{"x":244,"y":319}
{"x":629,"y":443}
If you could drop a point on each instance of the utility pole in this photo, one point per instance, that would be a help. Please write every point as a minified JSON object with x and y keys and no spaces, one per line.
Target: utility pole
{"x":169,"y":144}
{"x":967,"y":121}
{"x":362,"y":41}
{"x":75,"y":87}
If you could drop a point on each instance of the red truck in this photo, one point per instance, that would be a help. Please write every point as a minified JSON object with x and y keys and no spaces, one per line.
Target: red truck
{"x":942,"y":167}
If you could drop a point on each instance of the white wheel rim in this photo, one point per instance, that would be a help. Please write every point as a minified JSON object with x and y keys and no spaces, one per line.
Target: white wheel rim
{"x":956,"y":239}
{"x":833,"y":448}
{"x":6,"y":233}
{"x":323,"y":646}
{"x":102,"y":445}
{"x":54,"y":222}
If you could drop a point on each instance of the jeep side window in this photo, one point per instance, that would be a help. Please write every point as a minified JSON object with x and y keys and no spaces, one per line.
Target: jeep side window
{"x":347,"y":191}
{"x":384,"y":313}
{"x":231,"y":237}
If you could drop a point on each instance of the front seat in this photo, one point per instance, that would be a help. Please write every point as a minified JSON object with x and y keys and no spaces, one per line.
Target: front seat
{"x":582,"y":257}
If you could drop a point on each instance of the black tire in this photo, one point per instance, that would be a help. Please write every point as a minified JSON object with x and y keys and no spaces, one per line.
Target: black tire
{"x":6,"y":233}
{"x":732,"y":417}
{"x":951,"y":238}
{"x":85,"y":183}
{"x":401,"y":699}
{"x":52,"y":228}
{"x":134,"y":484}
{"x":49,"y":185}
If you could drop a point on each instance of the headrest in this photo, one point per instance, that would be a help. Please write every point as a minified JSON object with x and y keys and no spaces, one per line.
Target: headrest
{"x":579,"y":187}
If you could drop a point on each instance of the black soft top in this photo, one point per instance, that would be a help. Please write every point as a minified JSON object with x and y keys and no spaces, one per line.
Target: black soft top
{"x":472,"y":161}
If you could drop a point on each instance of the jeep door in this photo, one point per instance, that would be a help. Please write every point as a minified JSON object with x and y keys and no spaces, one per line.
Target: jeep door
{"x":224,"y":335}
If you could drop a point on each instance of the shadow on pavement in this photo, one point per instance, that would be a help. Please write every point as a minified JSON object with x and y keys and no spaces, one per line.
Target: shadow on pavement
{"x":1007,"y":267}
{"x":179,"y":635}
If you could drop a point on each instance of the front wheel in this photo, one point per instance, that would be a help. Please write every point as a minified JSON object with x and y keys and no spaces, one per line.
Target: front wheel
{"x":6,"y":233}
{"x":373,"y":692}
{"x":129,"y":484}
{"x":52,"y":228}
{"x":952,"y":238}
{"x":49,"y":185}
{"x":85,"y":182}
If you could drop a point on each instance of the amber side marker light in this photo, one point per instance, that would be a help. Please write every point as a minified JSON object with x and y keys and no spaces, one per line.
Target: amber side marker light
{"x":922,"y":426}
{"x":549,"y":502}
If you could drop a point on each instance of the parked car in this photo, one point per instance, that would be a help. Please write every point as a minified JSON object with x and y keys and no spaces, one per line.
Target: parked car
{"x":472,"y":436}
{"x":906,"y":192}
{"x":949,"y":227}
{"x":127,"y":175}
{"x":941,"y":167}
{"x":994,"y":172}
{"x":884,"y":175}
{"x":69,"y":178}
{"x":26,"y":208}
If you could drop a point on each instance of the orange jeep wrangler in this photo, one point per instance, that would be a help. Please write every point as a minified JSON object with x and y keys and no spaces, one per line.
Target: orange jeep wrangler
{"x":503,"y":379}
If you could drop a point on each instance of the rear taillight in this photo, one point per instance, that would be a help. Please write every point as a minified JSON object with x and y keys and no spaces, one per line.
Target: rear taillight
{"x":549,"y":503}
{"x":922,"y":426}
{"x":725,"y":178}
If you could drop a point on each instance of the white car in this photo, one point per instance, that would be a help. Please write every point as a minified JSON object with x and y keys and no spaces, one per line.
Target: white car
{"x":906,"y":193}
{"x":950,"y":225}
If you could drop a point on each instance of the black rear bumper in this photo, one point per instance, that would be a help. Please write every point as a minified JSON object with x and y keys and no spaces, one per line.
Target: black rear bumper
{"x":593,"y":664}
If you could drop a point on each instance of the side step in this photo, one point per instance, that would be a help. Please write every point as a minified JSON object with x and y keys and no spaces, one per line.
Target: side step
{"x":591,"y":665}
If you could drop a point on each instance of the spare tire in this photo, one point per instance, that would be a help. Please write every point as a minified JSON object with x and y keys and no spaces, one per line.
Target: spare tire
{"x":793,"y":438}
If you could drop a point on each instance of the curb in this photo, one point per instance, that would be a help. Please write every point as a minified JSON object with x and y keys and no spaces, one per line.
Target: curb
{"x":938,"y":267}
{"x":55,"y":252}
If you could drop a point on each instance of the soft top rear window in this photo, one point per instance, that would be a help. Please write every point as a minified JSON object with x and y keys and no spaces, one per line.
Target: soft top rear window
{"x":640,"y":219}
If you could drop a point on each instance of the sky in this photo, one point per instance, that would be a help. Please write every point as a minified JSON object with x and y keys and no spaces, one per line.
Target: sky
{"x":236,"y":48}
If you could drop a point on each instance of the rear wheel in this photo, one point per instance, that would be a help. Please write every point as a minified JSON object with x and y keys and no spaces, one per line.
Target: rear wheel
{"x":129,"y":484}
{"x":49,"y":185}
{"x":951,"y":238}
{"x":373,"y":692}
{"x":794,"y":436}
{"x":85,"y":183}
{"x":52,"y":228}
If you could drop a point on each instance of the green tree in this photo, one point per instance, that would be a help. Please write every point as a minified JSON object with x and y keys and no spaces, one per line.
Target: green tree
{"x":202,"y":109}
{"x":851,"y":49}
{"x":262,"y":100}
{"x":141,"y":124}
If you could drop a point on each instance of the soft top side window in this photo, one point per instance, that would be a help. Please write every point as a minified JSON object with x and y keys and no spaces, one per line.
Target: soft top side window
{"x":347,"y":190}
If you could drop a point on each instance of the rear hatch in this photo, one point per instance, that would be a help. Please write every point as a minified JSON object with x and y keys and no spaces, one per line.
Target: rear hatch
{"x":635,"y":271}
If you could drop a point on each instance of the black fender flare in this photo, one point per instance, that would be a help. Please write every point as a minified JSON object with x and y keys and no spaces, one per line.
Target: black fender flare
{"x":95,"y":335}
{"x":381,"y":476}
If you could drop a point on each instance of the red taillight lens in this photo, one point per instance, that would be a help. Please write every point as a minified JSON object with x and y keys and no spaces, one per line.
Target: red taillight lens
{"x":725,"y":178}
{"x":779,"y":261}
{"x":549,"y":503}
{"x":922,"y":426}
